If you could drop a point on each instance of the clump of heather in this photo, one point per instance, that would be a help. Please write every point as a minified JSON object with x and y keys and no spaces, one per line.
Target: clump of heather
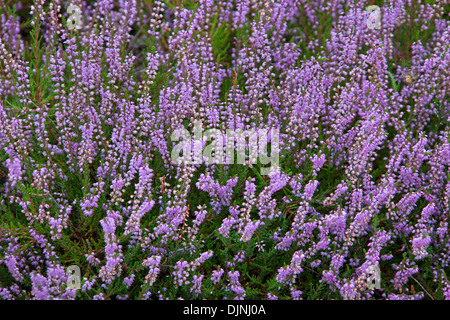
{"x":87,"y":122}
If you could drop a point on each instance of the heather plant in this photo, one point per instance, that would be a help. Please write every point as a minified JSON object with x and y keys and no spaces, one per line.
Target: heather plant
{"x":88,"y":111}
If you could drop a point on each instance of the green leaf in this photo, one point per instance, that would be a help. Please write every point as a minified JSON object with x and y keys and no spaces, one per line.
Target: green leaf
{"x":394,"y":84}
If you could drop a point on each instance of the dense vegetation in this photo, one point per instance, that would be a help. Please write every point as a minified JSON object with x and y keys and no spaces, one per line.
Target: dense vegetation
{"x":86,"y":177}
